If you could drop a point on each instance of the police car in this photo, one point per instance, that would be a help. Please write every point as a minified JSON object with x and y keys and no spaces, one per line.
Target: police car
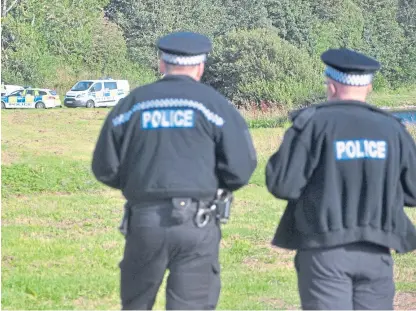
{"x":96,"y":93}
{"x":31,"y":98}
{"x":6,"y":89}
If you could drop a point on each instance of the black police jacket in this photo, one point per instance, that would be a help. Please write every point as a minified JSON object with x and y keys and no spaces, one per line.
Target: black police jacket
{"x":347,"y":169}
{"x":175,"y":137}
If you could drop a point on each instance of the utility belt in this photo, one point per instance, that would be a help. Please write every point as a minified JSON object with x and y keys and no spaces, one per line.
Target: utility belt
{"x":217,"y":210}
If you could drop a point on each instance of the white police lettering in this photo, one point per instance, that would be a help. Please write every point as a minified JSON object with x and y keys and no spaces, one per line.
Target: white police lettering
{"x":167,"y":118}
{"x":360,"y":149}
{"x":169,"y":103}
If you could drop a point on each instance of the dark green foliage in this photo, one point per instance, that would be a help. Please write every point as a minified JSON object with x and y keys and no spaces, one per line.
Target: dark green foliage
{"x":264,"y":50}
{"x":53,"y":44}
{"x":280,"y":73}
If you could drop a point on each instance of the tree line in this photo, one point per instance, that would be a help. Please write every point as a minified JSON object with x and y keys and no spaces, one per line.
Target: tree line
{"x":264,"y":50}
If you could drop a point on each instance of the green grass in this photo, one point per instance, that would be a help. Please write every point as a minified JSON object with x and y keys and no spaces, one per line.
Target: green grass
{"x":394,"y":98}
{"x":60,"y":243}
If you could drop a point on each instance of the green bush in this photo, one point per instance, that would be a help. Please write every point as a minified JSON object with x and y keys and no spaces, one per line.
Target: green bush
{"x":257,"y":65}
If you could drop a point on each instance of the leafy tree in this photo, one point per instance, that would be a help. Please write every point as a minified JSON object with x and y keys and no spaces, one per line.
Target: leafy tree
{"x":383,"y":38}
{"x":143,"y":22}
{"x":54,"y":44}
{"x":256,"y":65}
{"x":294,"y":20}
{"x":263,"y":49}
{"x":406,"y":18}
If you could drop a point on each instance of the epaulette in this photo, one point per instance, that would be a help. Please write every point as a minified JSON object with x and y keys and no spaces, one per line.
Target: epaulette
{"x":301,"y":117}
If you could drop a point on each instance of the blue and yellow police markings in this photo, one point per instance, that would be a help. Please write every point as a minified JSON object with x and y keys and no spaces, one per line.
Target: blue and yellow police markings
{"x":19,"y":101}
{"x":106,"y":96}
{"x":27,"y":101}
{"x":30,"y":100}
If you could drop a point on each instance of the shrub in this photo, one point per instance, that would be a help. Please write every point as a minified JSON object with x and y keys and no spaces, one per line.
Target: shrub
{"x":257,"y":65}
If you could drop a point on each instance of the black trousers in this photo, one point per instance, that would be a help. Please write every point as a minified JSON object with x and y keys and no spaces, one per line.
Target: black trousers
{"x":356,"y":276}
{"x":157,"y":241}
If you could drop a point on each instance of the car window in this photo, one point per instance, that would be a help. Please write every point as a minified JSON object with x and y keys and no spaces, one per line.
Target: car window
{"x":42,"y":93}
{"x":53,"y":92}
{"x":110,"y":85}
{"x":97,"y":87}
{"x":82,"y":86}
{"x":30,"y":92}
{"x":17,"y":93}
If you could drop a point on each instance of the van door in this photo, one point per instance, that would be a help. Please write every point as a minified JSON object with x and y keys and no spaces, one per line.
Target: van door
{"x":110,"y":93}
{"x":123,"y":85}
{"x":96,"y":91}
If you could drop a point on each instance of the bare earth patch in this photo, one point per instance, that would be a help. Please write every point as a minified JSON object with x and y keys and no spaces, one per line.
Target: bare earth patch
{"x":261,"y":266}
{"x":8,"y":157}
{"x":284,"y":255}
{"x":7,"y":261}
{"x":278,"y":304}
{"x":84,"y":303}
{"x":278,"y":257}
{"x":66,"y":224}
{"x":111,"y":245}
{"x":92,"y":115}
{"x":404,"y":274}
{"x":405,"y":301}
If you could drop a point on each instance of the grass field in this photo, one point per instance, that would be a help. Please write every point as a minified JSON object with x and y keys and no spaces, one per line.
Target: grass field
{"x":61,"y":246}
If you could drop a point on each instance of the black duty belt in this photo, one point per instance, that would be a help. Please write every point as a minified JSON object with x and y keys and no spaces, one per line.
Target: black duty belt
{"x":217,"y":209}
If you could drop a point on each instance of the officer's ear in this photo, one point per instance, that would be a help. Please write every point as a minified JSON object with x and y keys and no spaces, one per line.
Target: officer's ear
{"x":162,"y":67}
{"x":331,"y":89}
{"x":201,"y":68}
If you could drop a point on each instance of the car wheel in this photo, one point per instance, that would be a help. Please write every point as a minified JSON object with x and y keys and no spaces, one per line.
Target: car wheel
{"x":3,"y":105}
{"x":90,"y":104}
{"x":40,"y":105}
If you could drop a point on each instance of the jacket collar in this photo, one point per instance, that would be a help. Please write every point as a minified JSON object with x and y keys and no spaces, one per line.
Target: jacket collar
{"x":173,"y":77}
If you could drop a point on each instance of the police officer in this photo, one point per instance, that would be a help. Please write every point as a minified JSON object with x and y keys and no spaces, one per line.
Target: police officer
{"x":346,"y":169}
{"x":169,"y":146}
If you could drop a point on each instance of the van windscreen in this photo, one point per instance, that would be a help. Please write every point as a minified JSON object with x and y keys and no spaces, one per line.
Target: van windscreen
{"x":82,"y":86}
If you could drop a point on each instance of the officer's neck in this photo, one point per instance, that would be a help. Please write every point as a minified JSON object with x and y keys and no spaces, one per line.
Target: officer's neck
{"x":349,"y":93}
{"x":349,"y":97}
{"x":192,"y":74}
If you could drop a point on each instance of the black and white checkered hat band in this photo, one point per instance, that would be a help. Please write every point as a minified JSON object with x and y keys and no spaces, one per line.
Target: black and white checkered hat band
{"x":349,"y":79}
{"x":183,"y":60}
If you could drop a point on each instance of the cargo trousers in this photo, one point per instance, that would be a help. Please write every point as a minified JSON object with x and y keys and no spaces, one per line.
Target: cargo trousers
{"x":164,"y":237}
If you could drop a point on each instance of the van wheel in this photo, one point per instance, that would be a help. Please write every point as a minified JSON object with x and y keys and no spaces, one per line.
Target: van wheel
{"x":3,"y":105}
{"x":40,"y":105}
{"x":90,"y":104}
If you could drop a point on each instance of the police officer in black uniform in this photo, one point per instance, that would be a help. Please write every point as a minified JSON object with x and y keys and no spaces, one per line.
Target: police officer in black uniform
{"x":347,"y":169}
{"x":170,"y":146}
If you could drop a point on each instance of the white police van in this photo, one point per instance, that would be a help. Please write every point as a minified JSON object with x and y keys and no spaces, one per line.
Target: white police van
{"x":96,"y":93}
